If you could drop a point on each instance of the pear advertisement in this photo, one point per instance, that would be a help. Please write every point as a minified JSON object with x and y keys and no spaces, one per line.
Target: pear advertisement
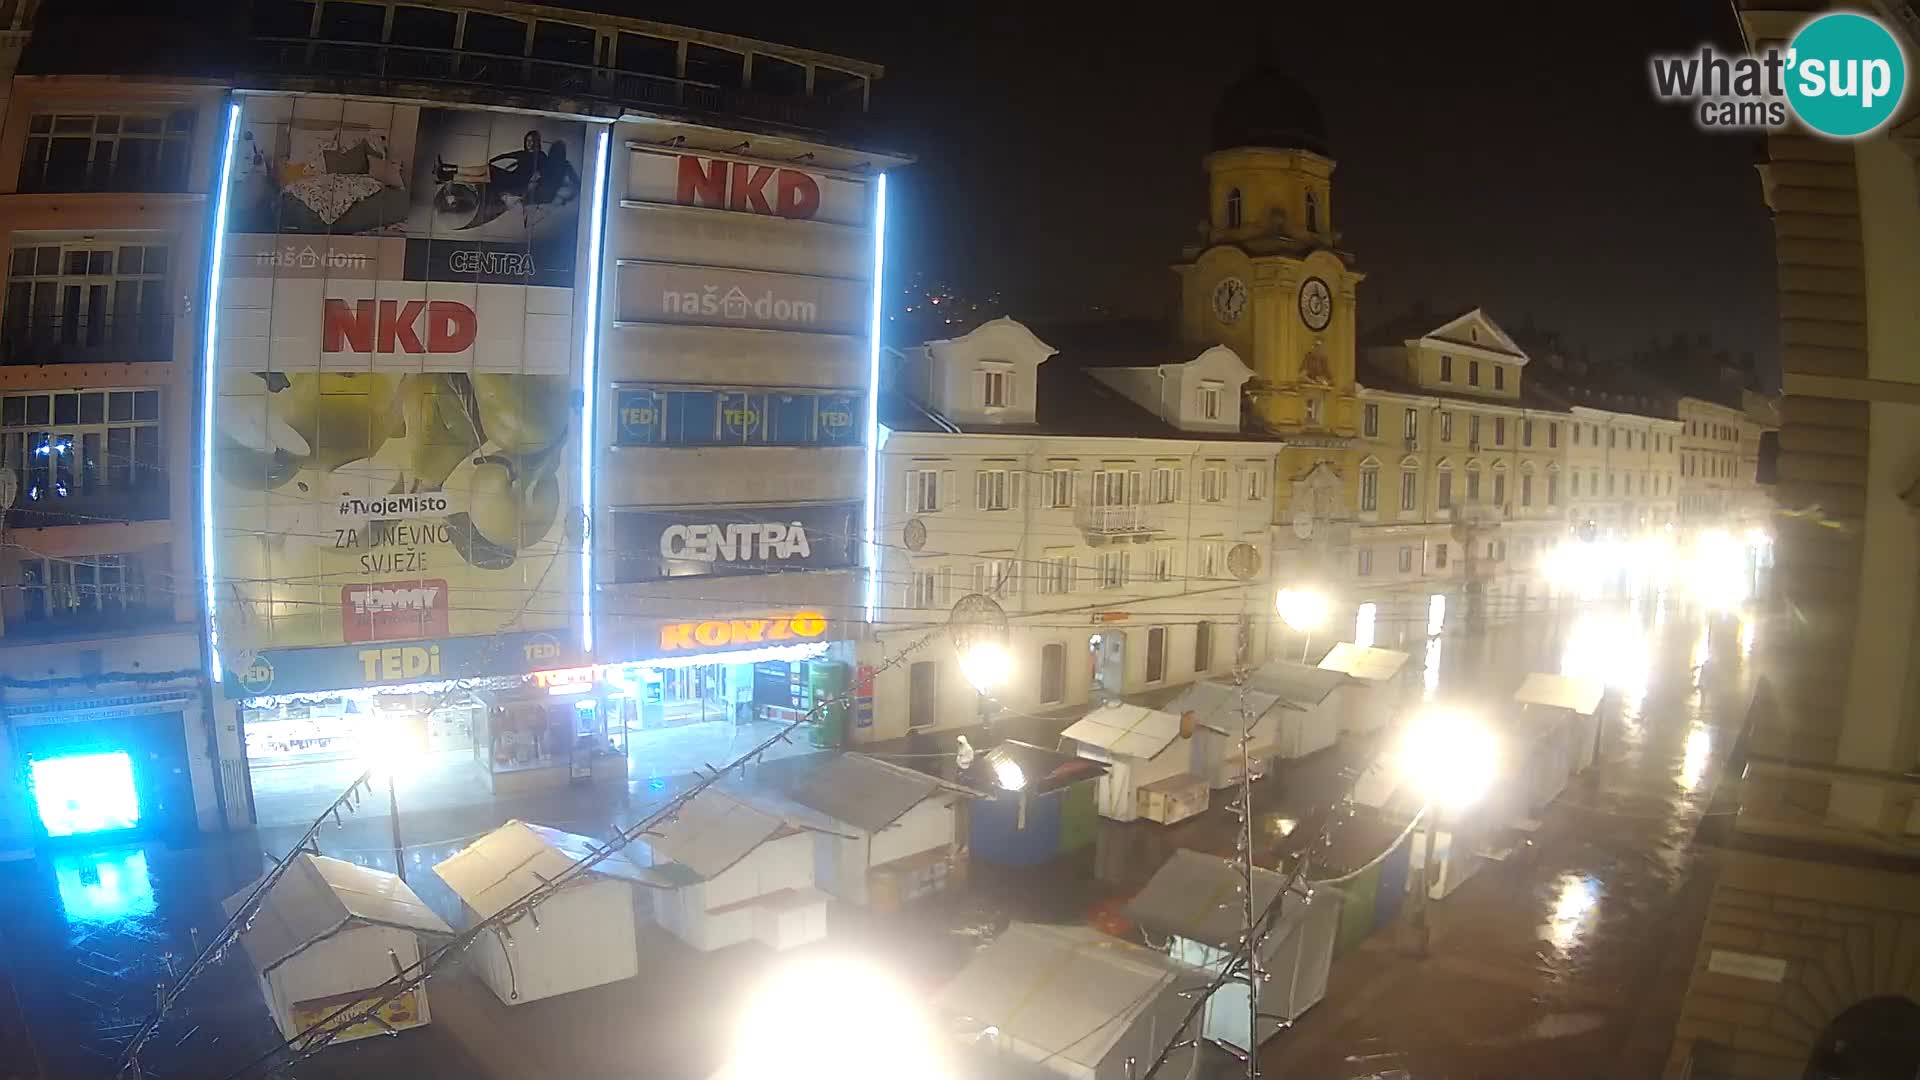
{"x":395,"y":439}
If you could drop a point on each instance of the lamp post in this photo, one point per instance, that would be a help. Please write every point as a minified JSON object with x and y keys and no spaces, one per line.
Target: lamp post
{"x":1450,"y":757}
{"x":988,"y":666}
{"x":1304,"y":610}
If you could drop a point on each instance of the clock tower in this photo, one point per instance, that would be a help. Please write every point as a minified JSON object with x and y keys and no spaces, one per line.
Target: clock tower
{"x":1267,"y":279}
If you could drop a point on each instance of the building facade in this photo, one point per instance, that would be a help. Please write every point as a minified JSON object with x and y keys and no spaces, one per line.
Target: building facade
{"x":1718,"y":460}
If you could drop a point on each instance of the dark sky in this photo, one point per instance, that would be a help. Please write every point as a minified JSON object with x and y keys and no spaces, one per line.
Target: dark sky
{"x":1508,"y":155}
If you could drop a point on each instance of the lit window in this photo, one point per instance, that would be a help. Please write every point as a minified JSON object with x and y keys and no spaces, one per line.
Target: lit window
{"x":995,"y":388}
{"x":1233,"y":208}
{"x":1364,"y":562}
{"x":1210,"y":400}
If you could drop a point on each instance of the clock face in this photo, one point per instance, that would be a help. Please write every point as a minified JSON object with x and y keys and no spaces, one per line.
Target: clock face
{"x":1316,"y":304}
{"x":1229,"y":299}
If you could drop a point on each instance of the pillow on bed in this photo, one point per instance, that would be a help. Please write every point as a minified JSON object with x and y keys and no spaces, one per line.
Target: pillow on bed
{"x":351,"y":161}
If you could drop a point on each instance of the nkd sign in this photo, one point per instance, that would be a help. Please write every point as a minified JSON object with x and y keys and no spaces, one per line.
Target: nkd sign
{"x":708,"y":296}
{"x":717,"y":540}
{"x":764,"y":189}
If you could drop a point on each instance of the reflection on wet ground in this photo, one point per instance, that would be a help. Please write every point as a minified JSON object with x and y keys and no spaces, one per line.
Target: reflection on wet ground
{"x":1567,"y":959}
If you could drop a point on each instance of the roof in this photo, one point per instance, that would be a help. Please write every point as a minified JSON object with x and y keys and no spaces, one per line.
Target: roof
{"x":1126,"y":730}
{"x":1265,"y":108}
{"x":1068,"y":993}
{"x":1373,"y":376}
{"x":1562,"y":692}
{"x":517,"y":858}
{"x":1040,"y":770}
{"x":709,"y":834}
{"x":1217,"y":703}
{"x":317,"y":897}
{"x":1197,"y":896}
{"x":864,"y":792}
{"x":1364,"y":663}
{"x":1297,"y":683}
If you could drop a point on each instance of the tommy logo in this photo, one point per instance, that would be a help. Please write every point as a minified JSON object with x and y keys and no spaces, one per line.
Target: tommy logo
{"x":391,"y":326}
{"x":394,"y":610}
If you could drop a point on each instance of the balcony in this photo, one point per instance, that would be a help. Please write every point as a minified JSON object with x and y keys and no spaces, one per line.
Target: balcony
{"x":279,"y":56}
{"x":37,"y":624}
{"x":1102,"y":524}
{"x":84,"y":339}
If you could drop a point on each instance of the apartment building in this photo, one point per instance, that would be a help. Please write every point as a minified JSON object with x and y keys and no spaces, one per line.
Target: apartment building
{"x":1623,"y":471}
{"x":1718,"y":452}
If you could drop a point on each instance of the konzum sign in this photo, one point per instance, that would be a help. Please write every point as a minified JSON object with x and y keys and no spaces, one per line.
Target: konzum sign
{"x":743,"y":633}
{"x":764,"y":189}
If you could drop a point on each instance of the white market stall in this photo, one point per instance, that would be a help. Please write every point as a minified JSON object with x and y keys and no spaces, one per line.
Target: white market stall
{"x":1536,"y":751}
{"x":1151,"y":765}
{"x":1579,"y":699}
{"x":894,"y":829}
{"x":1194,"y":902}
{"x":1220,"y":712}
{"x":326,"y":935}
{"x":1318,"y":697}
{"x":1072,"y":999}
{"x":724,"y":871}
{"x":581,"y":936}
{"x":1371,"y":698}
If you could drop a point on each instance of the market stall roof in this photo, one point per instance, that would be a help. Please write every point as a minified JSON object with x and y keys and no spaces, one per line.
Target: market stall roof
{"x":865,"y":792}
{"x":1216,"y":703}
{"x":1038,"y":769}
{"x":1297,"y":683}
{"x":1561,"y":692}
{"x":518,"y":857}
{"x":709,"y":834}
{"x":1197,"y":896}
{"x":318,"y":897}
{"x":1363,"y":662}
{"x":1126,"y":730}
{"x":1063,"y":992}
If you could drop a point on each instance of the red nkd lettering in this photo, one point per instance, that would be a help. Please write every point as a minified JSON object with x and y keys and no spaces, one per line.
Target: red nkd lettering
{"x":743,"y":187}
{"x":390,"y":326}
{"x":701,"y":184}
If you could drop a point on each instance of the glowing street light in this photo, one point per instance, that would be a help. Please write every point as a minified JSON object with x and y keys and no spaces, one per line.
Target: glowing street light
{"x":1449,"y":756}
{"x":799,"y":1026}
{"x":1303,"y":610}
{"x":987,"y":665}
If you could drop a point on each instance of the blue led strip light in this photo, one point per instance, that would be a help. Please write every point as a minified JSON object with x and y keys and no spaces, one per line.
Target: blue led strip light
{"x":209,"y":383}
{"x":589,"y":364}
{"x":873,"y":395}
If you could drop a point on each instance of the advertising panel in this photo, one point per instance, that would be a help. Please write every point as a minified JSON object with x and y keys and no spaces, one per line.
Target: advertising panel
{"x":397,"y":398}
{"x":716,"y":540}
{"x":675,"y":178}
{"x":716,"y":416}
{"x":716,"y":296}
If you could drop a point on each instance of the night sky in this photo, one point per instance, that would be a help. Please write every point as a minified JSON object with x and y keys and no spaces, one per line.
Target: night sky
{"x":1508,"y":155}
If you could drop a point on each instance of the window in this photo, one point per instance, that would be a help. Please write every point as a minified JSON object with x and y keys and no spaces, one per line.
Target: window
{"x":1233,"y":208}
{"x":1256,"y":483}
{"x":997,"y":577}
{"x":92,"y":591}
{"x":1156,"y":654}
{"x":997,"y":489}
{"x":1473,"y":432}
{"x":1611,"y":434}
{"x":1446,"y":368}
{"x":1410,"y":427}
{"x":132,"y":151}
{"x":1440,"y":555}
{"x":1116,"y":487}
{"x":1210,"y":400}
{"x":1446,"y":427}
{"x":927,"y":589}
{"x":1363,"y":562}
{"x":1059,"y":488}
{"x":1444,"y":494}
{"x":1208,"y":554}
{"x":1576,"y":434}
{"x":1553,"y":436}
{"x":1370,"y":421}
{"x":82,"y":455}
{"x":1643,"y":440}
{"x":735,"y":416}
{"x":1369,"y":489}
{"x":923,"y":490}
{"x":1213,"y":483}
{"x":1499,"y":376}
{"x":923,"y":693}
{"x":1473,"y":485}
{"x":1491,"y":547}
{"x":1499,"y":431}
{"x":1526,"y":433}
{"x":1643,"y":483}
{"x":1409,"y":491}
{"x":1056,"y":575}
{"x":1113,"y":569}
{"x":1166,"y":483}
{"x":996,"y":387}
{"x":1313,"y":410}
{"x":1203,"y":646}
{"x":1610,"y":477}
{"x":1406,"y":559}
{"x":1162,"y":564}
{"x":1526,"y":489}
{"x":1499,"y":489}
{"x":1473,"y":373}
{"x":1053,"y":674}
{"x":88,"y":301}
{"x":1313,"y":212}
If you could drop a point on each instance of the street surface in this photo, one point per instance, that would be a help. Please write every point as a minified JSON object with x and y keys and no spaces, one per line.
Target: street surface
{"x":1568,"y":959}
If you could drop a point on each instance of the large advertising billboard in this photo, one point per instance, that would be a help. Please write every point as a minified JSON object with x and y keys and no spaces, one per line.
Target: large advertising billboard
{"x":398,"y":398}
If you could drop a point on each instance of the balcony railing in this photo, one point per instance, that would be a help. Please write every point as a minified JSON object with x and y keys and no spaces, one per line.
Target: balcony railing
{"x":84,"y":339}
{"x":1117,"y":520}
{"x":39,"y":624}
{"x":368,"y":60}
{"x":45,"y":503}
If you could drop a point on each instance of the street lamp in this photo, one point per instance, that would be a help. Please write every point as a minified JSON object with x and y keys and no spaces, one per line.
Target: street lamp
{"x":988,"y":666}
{"x":802,"y":1024}
{"x":1451,"y":759}
{"x":390,"y":750}
{"x":1304,"y":610}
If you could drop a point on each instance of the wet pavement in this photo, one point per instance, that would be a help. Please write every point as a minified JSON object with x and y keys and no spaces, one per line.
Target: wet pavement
{"x":1569,"y":959}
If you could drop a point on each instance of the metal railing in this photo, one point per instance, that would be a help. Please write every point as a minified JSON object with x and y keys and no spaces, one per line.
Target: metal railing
{"x":86,"y":339}
{"x":1116,"y":520}
{"x":373,"y":60}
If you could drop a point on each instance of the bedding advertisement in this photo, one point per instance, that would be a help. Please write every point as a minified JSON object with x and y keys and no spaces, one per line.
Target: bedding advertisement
{"x":395,"y":439}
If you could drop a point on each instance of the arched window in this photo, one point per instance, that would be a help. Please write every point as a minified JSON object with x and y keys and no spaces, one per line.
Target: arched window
{"x":1233,"y":208}
{"x":1313,"y":212}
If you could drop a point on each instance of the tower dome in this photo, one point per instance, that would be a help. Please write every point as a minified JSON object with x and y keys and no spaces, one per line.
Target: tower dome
{"x":1266,"y":108}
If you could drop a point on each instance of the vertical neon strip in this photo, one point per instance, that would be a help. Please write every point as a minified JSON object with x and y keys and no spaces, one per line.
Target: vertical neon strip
{"x":590,"y":378}
{"x":209,"y":385}
{"x":873,"y":395}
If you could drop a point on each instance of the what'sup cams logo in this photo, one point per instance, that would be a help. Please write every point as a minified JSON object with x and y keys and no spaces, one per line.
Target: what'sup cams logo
{"x":1842,"y":75}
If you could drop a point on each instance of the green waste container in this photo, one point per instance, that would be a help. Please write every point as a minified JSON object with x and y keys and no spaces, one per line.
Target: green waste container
{"x":827,"y":682}
{"x":1079,"y":819}
{"x":1357,"y":900}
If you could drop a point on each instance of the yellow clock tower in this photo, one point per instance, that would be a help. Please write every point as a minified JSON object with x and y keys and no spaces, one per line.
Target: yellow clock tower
{"x":1268,"y":281}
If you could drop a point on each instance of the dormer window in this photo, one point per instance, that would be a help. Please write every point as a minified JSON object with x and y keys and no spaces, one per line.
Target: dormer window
{"x":996,"y":387}
{"x":1210,"y":400}
{"x":1233,"y":208}
{"x":1313,"y":212}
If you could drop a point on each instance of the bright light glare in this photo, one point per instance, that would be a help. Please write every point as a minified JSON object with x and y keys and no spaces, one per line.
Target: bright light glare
{"x":1610,"y":648}
{"x":1716,"y":571}
{"x":1436,"y":614}
{"x":1430,"y":670}
{"x":388,"y":748}
{"x":987,"y":665}
{"x":85,"y":793}
{"x":1746,"y":634}
{"x":1008,"y":775}
{"x":104,"y":886}
{"x":1693,"y":762}
{"x":830,"y":1018}
{"x":1302,"y":610}
{"x":1363,"y":625}
{"x":1449,"y":756}
{"x":1576,"y":900}
{"x":589,"y":359}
